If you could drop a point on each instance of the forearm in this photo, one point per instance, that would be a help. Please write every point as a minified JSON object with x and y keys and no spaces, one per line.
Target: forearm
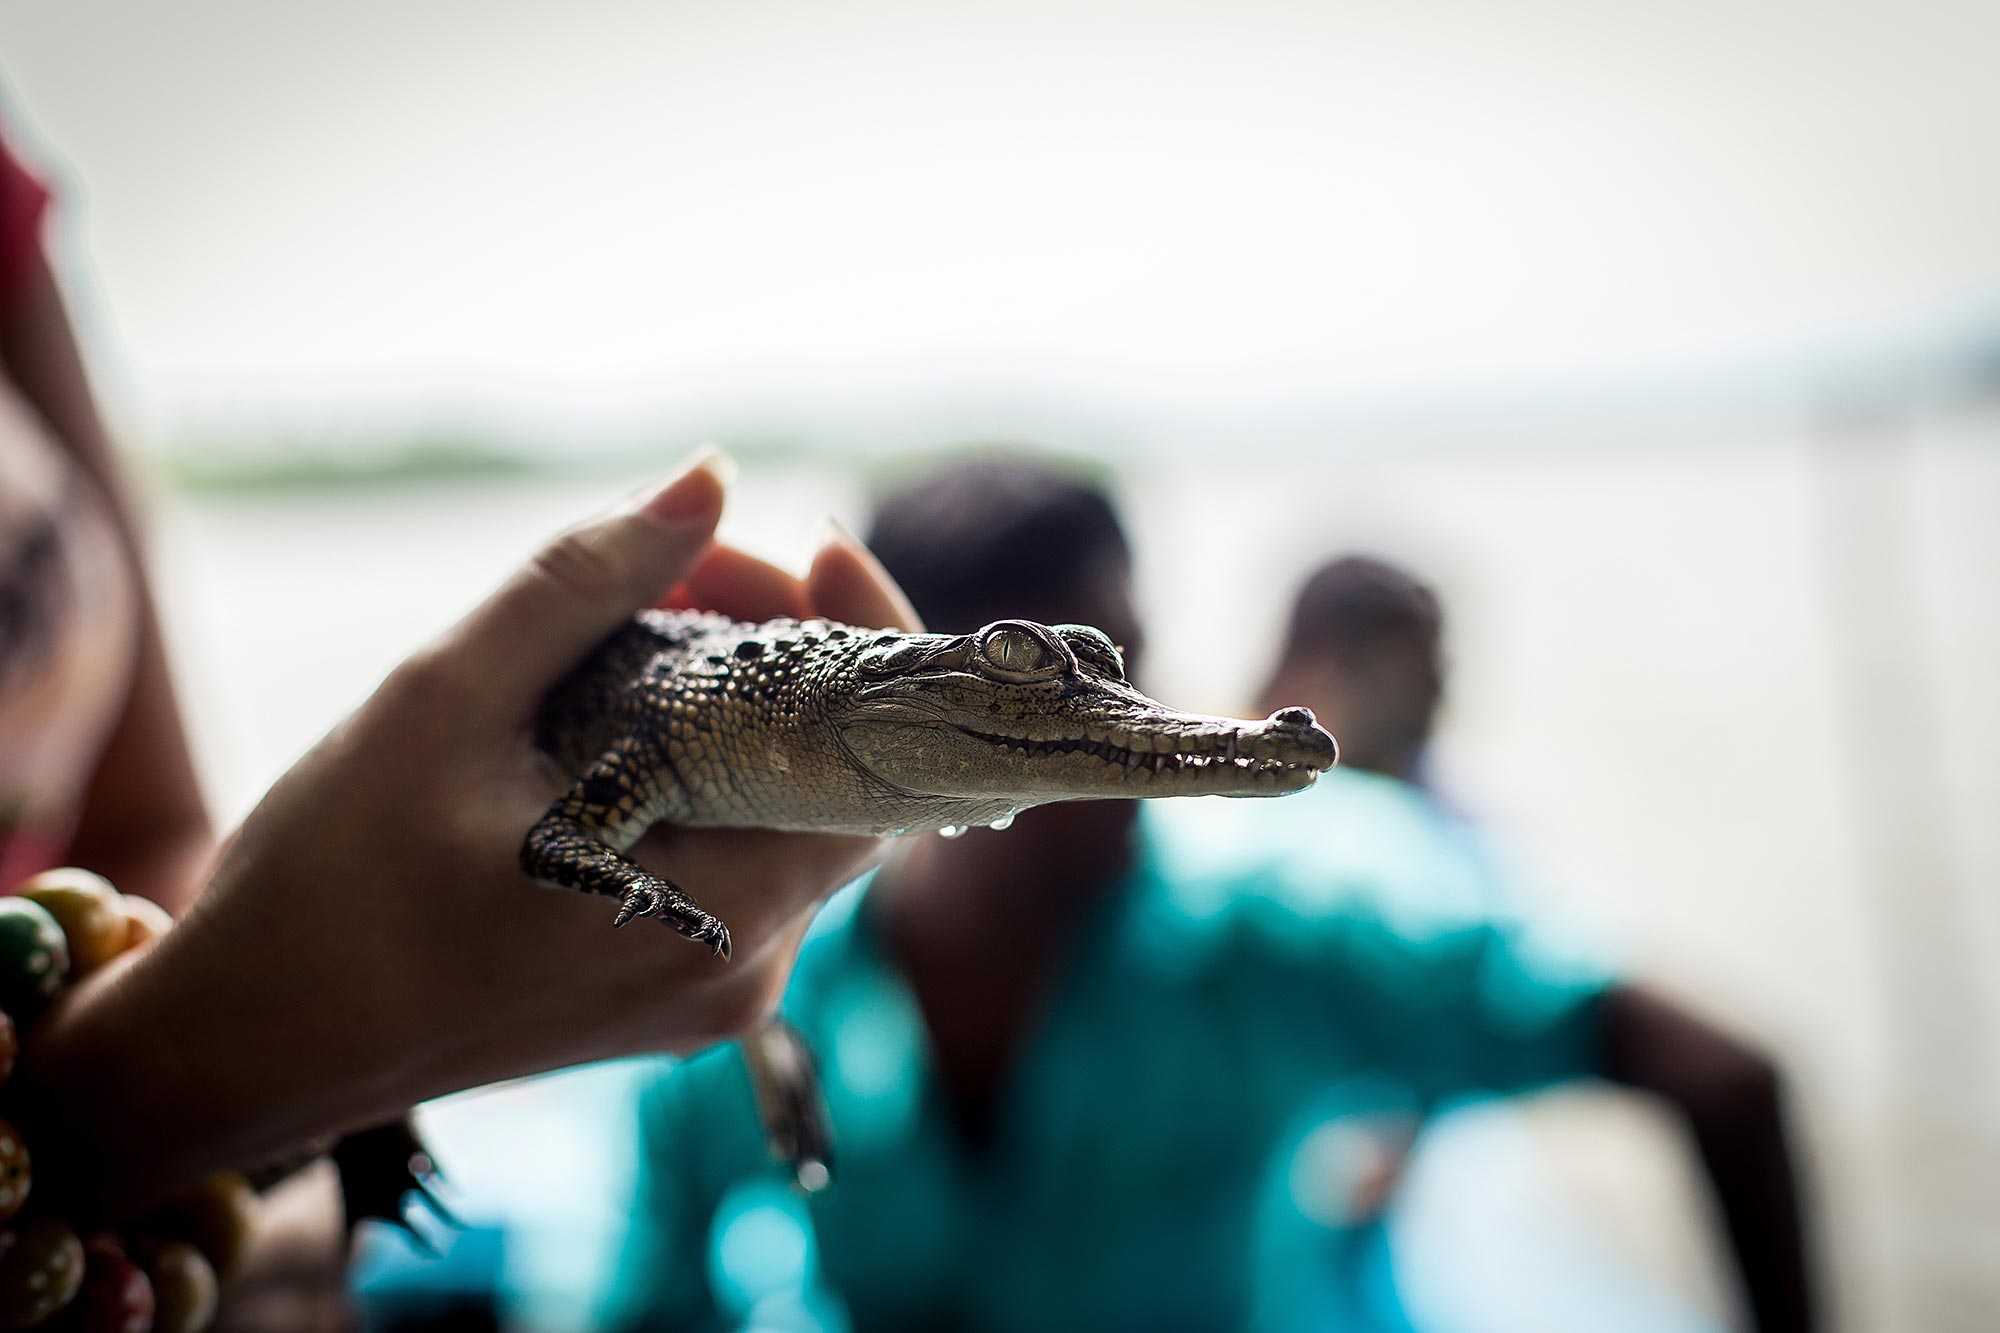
{"x":1747,"y":1155}
{"x":210,"y":1050}
{"x":1731,"y":1101}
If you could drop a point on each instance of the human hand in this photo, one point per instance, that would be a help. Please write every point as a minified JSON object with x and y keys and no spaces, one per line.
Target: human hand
{"x":368,"y":939}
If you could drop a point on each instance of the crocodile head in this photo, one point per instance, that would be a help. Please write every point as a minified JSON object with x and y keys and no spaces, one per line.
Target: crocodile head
{"x":1020,"y":713}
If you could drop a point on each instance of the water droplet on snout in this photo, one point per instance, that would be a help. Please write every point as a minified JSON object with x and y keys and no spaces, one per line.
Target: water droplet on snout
{"x":951,"y":831}
{"x":1005,"y":821}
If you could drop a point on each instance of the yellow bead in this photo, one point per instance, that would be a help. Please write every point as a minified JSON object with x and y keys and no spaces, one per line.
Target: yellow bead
{"x":87,"y":909}
{"x":220,"y":1217}
{"x":184,"y":1289}
{"x":145,"y":920}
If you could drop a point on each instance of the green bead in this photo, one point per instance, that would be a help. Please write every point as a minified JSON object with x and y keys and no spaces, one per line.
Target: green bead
{"x":34,"y":958}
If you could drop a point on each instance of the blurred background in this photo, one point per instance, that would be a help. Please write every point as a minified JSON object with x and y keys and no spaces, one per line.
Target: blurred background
{"x":1665,"y":339}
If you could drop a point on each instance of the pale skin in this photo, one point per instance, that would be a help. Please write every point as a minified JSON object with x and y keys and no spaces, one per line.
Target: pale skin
{"x":368,"y":940}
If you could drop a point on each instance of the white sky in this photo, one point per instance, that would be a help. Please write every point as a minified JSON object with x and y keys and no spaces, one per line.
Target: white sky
{"x":605,"y":203}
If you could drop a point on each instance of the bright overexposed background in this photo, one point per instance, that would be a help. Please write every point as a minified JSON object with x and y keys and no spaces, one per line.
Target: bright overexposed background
{"x":1665,"y":338}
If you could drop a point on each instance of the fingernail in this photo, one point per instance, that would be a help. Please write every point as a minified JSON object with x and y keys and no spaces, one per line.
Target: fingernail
{"x":695,"y":488}
{"x":833,"y":531}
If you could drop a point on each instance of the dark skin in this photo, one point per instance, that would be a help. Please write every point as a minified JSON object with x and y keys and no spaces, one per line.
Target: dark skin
{"x":1731,"y":1100}
{"x":984,"y":929}
{"x":983,"y":958}
{"x":1380,"y":697}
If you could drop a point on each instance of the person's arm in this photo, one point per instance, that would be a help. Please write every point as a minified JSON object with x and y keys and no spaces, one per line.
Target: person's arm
{"x":1730,"y":1096}
{"x":369,"y":940}
{"x":144,"y":824}
{"x":1494,"y":1008}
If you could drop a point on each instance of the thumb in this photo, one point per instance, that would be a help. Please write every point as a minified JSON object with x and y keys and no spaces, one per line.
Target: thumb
{"x":588,"y":582}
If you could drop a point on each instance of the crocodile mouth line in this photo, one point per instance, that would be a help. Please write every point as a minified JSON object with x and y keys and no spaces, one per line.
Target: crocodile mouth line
{"x":1229,"y":759}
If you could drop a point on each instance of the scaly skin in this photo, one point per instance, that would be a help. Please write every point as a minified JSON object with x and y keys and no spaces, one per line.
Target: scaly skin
{"x":692,"y":718}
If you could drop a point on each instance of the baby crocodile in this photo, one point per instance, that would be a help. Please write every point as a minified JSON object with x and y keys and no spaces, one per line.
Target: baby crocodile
{"x":695,"y":719}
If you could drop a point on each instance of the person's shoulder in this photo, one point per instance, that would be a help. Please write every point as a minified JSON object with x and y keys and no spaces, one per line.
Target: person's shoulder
{"x":1218,"y":893}
{"x":1351,"y":834}
{"x":1360,"y":859}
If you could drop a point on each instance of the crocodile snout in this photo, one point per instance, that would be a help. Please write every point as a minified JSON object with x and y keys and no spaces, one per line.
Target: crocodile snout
{"x":1298,"y":726}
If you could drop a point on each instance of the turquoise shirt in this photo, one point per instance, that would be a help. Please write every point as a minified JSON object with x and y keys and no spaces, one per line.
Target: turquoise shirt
{"x":1254,"y":979}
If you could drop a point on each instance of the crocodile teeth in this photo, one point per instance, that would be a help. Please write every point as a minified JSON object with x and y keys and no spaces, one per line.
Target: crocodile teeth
{"x":1141,"y":756}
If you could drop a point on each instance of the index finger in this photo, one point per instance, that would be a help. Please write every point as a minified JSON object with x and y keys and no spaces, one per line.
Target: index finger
{"x":847,"y":583}
{"x":740,"y":586}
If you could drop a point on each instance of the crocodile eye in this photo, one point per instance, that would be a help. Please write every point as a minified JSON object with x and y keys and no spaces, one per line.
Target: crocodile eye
{"x":1012,"y":650}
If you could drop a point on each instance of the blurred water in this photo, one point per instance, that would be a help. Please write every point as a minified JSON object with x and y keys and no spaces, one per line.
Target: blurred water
{"x":1667,"y":692}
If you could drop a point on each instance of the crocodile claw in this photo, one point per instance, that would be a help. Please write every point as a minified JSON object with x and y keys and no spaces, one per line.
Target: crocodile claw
{"x":690,"y":921}
{"x":716,"y":936}
{"x":785,"y":1081}
{"x":379,"y":1168}
{"x":640,"y":901}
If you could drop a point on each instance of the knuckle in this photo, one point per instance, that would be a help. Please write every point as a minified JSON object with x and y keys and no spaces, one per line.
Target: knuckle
{"x":419,"y":683}
{"x":423,"y":695}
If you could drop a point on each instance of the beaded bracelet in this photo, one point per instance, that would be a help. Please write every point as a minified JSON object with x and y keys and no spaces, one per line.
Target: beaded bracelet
{"x":163,"y":1273}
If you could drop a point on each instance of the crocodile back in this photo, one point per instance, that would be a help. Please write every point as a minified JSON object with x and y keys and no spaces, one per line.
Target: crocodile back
{"x":596,"y":704}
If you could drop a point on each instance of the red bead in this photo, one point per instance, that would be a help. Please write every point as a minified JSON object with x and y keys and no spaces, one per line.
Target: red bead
{"x":116,"y":1297}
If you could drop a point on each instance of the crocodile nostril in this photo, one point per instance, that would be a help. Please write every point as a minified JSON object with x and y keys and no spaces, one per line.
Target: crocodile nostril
{"x":1294,"y":717}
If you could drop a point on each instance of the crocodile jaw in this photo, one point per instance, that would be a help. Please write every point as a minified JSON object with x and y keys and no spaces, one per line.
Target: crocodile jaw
{"x":1158,"y":754}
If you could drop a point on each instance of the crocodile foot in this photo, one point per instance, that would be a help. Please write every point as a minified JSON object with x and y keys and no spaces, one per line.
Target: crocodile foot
{"x":785,"y":1081}
{"x":689,"y":920}
{"x":380,"y":1169}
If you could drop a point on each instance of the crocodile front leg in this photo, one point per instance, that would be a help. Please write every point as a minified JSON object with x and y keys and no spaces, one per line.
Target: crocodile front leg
{"x":579,"y":843}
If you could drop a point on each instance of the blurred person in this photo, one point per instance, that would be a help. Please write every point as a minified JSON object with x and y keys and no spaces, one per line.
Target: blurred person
{"x":1365,"y":644}
{"x":1364,"y":648}
{"x":1059,"y":1064}
{"x":94,"y":762}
